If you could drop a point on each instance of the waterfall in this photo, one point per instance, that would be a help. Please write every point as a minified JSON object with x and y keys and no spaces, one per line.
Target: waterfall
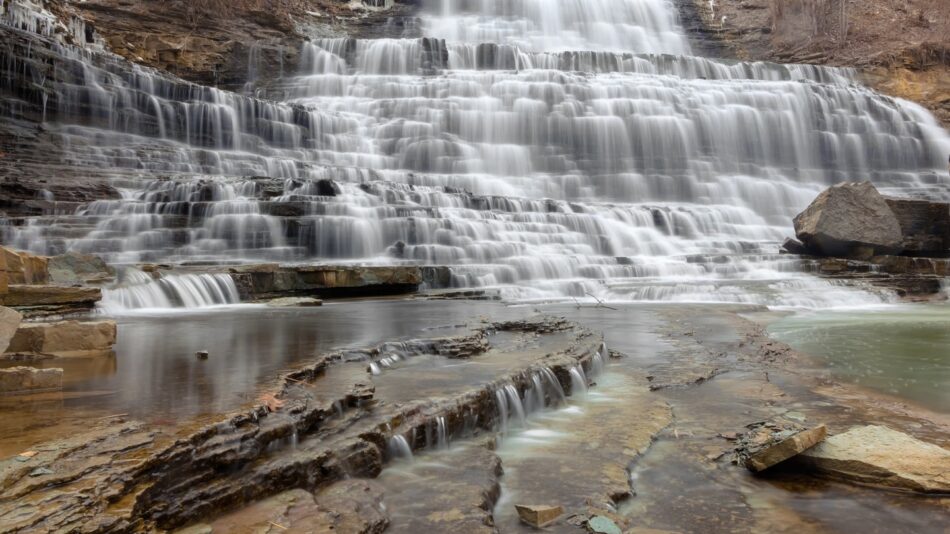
{"x":399,"y":447}
{"x":555,"y":149}
{"x":172,"y":291}
{"x":578,"y":381}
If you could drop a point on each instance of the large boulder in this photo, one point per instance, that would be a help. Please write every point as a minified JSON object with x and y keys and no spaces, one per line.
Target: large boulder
{"x":9,"y":322}
{"x":23,"y":267}
{"x":64,"y":338}
{"x":881,"y":456}
{"x":74,"y":268}
{"x":849,"y":220}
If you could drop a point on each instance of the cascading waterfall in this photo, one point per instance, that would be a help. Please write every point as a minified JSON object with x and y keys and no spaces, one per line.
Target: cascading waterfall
{"x":399,"y":447}
{"x":550,"y":149}
{"x":578,"y":381}
{"x":141,"y":291}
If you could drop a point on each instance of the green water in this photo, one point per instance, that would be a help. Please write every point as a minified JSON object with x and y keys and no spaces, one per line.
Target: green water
{"x":899,"y":350}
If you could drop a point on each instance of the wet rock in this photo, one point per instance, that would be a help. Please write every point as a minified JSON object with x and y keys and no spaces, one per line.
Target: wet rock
{"x":602,"y":525}
{"x":41,"y":295}
{"x":65,"y":338}
{"x":9,"y":323}
{"x":793,"y":246}
{"x":539,"y":516}
{"x":201,"y":355}
{"x":24,"y":268}
{"x":767,"y":444}
{"x":294,"y":302}
{"x":75,"y":268}
{"x":881,"y":456}
{"x":925,"y":225}
{"x":18,"y":380}
{"x":849,"y":220}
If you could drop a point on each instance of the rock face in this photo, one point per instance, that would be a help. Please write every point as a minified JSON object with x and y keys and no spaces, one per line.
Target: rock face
{"x":24,"y":268}
{"x":9,"y":322}
{"x":925,"y":225}
{"x":850,"y":220}
{"x":74,"y":268}
{"x":65,"y":338}
{"x":881,"y":456}
{"x":18,"y":380}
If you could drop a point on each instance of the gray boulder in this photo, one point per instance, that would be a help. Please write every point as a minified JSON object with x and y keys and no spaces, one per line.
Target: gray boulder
{"x":850,"y":220}
{"x":74,"y":268}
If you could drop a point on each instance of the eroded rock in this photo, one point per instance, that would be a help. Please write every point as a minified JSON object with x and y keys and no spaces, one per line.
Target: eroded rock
{"x":881,"y":456}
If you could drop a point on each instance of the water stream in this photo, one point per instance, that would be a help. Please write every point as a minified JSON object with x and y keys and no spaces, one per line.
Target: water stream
{"x":550,"y":149}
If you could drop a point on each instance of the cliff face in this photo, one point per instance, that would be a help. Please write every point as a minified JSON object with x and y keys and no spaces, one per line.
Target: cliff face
{"x":900,"y":47}
{"x":226,"y":43}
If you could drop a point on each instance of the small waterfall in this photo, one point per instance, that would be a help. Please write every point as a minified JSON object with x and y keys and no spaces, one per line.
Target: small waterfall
{"x":578,"y":381}
{"x":398,"y":447}
{"x":597,"y":361}
{"x":555,"y":385}
{"x":374,"y":369}
{"x":501,"y":402}
{"x":439,"y":438}
{"x":172,"y":291}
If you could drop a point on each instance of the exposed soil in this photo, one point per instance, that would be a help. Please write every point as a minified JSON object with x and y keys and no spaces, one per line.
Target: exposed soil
{"x":901,"y":47}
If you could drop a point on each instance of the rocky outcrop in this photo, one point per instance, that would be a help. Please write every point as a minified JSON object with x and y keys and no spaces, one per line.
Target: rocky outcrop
{"x":925,"y":225}
{"x":849,"y":220}
{"x":64,"y":339}
{"x":41,"y":301}
{"x":881,"y":456}
{"x":20,"y":380}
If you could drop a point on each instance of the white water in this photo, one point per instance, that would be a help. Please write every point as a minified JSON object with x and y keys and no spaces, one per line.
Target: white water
{"x":140,"y":291}
{"x":549,"y":149}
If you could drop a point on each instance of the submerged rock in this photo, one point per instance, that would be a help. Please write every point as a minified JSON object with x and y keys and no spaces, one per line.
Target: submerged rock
{"x":538,"y":516}
{"x":881,"y":456}
{"x":294,"y":302}
{"x":849,"y":220}
{"x":18,"y":380}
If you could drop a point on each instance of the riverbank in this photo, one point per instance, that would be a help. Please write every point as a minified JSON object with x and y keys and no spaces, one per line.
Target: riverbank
{"x":688,"y":375}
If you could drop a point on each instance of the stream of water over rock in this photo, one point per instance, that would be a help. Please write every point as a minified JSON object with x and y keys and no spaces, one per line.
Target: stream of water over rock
{"x":556,"y":149}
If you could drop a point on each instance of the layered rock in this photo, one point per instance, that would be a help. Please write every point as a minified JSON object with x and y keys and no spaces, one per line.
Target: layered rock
{"x":925,"y":225}
{"x":272,"y":280}
{"x":849,"y":220}
{"x":881,"y":456}
{"x":64,"y":339}
{"x":20,"y":380}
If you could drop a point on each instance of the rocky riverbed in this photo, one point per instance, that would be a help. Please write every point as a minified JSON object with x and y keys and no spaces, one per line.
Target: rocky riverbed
{"x":478,"y":414}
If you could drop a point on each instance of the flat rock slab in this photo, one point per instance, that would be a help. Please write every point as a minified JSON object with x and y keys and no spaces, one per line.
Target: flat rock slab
{"x":783,"y":449}
{"x":881,"y":456}
{"x":19,"y":380}
{"x":30,"y":295}
{"x":65,"y":338}
{"x":294,"y":302}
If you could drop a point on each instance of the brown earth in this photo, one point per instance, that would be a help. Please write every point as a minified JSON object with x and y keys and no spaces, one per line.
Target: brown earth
{"x":900,"y":47}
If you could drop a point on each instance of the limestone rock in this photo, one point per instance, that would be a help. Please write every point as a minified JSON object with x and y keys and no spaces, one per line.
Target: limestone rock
{"x":42,"y":295}
{"x":538,"y":516}
{"x":24,"y":268}
{"x":785,"y":448}
{"x":75,"y":268}
{"x":849,"y":220}
{"x":294,"y":302}
{"x":65,"y":338}
{"x":9,"y":322}
{"x":29,"y":380}
{"x":881,"y":456}
{"x":925,"y":225}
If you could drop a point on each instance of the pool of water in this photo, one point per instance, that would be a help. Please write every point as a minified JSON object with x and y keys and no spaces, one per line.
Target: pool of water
{"x":901,"y":350}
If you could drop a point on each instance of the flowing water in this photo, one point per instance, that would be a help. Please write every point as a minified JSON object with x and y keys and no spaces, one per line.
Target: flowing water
{"x":556,"y":149}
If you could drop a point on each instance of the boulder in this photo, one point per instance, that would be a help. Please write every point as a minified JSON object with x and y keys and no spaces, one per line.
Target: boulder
{"x":849,"y":220}
{"x":538,"y":516}
{"x":74,"y":268}
{"x":881,"y":456}
{"x":64,"y":338}
{"x":9,"y":322}
{"x":925,"y":225}
{"x":18,"y":380}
